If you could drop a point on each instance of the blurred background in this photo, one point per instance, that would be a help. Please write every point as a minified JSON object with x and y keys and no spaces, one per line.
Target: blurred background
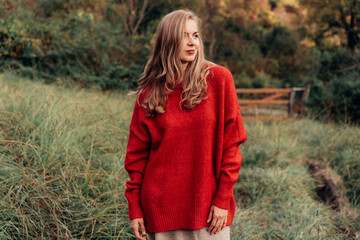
{"x":66,"y":67}
{"x":265,"y":43}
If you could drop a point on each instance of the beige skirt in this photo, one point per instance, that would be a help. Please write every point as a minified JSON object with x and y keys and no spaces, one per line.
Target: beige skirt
{"x":188,"y":234}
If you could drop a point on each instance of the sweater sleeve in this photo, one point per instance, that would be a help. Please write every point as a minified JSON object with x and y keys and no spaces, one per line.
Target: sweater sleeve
{"x":234,"y":135}
{"x":138,"y":150}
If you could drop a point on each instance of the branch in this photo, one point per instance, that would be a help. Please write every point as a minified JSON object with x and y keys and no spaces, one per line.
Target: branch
{"x":349,"y":68}
{"x":141,"y":16}
{"x":131,"y":16}
{"x":126,"y":25}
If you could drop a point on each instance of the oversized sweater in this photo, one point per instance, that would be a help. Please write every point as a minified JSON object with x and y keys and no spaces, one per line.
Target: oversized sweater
{"x":182,"y":162}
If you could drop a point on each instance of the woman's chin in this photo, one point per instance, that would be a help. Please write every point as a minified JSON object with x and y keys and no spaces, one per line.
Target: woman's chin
{"x":187,"y":61}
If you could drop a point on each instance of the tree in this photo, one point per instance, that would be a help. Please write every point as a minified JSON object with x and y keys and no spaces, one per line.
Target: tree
{"x":210,"y":16}
{"x":336,"y":16}
{"x":132,"y":14}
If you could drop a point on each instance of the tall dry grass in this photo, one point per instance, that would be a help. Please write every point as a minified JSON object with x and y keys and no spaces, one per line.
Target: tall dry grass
{"x":61,"y":162}
{"x":62,"y":177}
{"x":277,"y":192}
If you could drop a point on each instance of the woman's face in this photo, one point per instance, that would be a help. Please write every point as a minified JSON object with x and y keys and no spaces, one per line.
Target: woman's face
{"x":190,"y":42}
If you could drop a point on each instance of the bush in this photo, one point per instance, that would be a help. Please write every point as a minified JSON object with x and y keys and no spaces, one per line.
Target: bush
{"x":336,"y":99}
{"x":82,"y":45}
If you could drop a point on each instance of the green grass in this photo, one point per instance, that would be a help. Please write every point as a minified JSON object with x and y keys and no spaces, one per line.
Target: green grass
{"x":61,"y":162}
{"x":62,"y":177}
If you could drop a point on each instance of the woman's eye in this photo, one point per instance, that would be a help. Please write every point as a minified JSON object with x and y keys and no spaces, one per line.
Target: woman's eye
{"x":196,"y":35}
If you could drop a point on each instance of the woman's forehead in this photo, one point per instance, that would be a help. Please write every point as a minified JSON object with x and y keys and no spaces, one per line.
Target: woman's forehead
{"x":190,"y":26}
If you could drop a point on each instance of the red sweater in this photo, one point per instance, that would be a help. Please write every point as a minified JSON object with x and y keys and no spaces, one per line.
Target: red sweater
{"x":180,"y":163}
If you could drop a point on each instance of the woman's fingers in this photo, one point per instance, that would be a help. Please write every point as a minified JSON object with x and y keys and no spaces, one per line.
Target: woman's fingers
{"x":218,"y":226}
{"x":213,"y":225}
{"x":134,"y":225}
{"x":221,"y":226}
{"x":142,"y":230}
{"x":224,"y":224}
{"x":219,"y":218}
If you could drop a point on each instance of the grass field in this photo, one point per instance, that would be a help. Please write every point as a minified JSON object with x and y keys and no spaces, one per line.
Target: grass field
{"x":62,"y":177}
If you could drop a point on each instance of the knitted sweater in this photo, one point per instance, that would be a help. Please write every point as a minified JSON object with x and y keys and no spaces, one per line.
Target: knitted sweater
{"x":182,"y":162}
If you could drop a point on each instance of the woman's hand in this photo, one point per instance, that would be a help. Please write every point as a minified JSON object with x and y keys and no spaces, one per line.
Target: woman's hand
{"x":134,"y":225}
{"x":219,"y":217}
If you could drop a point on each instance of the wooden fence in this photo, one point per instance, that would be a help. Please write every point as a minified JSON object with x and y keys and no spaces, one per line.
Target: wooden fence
{"x":273,"y":99}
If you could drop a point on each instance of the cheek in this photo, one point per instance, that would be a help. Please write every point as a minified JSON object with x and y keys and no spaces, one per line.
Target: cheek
{"x":181,"y":47}
{"x":197,"y":43}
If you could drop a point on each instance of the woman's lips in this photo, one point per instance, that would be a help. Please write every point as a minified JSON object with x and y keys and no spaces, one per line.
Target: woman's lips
{"x":191,"y":51}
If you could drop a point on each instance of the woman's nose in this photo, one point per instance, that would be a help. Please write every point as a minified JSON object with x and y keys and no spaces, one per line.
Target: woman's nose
{"x":190,"y":41}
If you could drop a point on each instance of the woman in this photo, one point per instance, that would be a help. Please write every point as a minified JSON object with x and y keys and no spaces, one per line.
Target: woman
{"x":183,"y":154}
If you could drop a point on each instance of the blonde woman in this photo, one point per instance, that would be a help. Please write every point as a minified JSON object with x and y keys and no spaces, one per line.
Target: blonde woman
{"x":183,"y":154}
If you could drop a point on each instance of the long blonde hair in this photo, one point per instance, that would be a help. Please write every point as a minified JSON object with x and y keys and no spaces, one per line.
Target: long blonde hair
{"x":163,"y":69}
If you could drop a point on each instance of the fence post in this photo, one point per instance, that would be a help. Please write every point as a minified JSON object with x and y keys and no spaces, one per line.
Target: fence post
{"x":291,"y":103}
{"x":303,"y":100}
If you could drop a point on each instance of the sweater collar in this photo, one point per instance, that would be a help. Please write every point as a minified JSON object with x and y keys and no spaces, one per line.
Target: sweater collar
{"x":179,"y":85}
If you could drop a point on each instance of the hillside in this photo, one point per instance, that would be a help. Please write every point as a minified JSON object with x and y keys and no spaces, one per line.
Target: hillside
{"x":62,"y":154}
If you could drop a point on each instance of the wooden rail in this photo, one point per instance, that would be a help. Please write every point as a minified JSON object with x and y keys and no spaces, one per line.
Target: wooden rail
{"x":271,"y":100}
{"x":263,"y":90}
{"x":258,"y":102}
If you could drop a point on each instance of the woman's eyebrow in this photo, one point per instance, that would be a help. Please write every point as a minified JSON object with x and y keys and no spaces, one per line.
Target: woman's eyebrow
{"x":193,"y":33}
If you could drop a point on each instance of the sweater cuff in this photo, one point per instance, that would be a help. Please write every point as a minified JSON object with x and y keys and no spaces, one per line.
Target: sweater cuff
{"x":221,"y":202}
{"x":135,"y":210}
